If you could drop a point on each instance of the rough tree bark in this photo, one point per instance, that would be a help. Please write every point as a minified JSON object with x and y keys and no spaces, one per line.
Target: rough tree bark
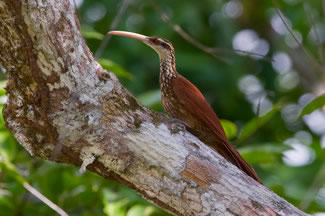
{"x":62,"y":106}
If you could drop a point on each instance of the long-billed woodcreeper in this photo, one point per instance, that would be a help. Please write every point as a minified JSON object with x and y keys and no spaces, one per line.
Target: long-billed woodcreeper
{"x":183,"y":101}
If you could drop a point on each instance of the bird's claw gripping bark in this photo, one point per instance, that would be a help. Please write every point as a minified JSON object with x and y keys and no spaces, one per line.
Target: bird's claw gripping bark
{"x":177,"y":125}
{"x":103,"y":75}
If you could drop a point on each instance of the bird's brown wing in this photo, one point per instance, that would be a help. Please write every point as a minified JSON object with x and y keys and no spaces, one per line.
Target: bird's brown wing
{"x":192,"y":98}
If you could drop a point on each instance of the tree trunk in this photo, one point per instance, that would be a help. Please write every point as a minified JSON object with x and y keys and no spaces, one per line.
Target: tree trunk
{"x":62,"y":106}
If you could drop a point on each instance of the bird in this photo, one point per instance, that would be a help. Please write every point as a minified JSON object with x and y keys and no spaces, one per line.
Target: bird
{"x":182,"y":100}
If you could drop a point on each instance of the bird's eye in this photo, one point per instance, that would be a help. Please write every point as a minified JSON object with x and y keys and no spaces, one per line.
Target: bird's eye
{"x":161,"y":42}
{"x":165,"y":45}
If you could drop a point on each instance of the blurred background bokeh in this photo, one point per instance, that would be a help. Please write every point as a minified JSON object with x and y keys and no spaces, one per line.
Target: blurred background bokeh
{"x":267,"y":65}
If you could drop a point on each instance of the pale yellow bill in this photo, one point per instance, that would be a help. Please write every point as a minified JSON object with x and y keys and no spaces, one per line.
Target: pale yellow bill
{"x":129,"y":34}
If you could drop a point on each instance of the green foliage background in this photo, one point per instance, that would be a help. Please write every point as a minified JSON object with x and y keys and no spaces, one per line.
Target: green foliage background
{"x":260,"y":137}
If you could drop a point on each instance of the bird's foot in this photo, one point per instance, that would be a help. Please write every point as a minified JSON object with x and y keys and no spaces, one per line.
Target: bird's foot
{"x":103,"y":75}
{"x":177,"y":125}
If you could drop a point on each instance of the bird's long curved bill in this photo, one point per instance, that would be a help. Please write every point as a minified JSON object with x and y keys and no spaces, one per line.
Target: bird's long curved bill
{"x":129,"y":34}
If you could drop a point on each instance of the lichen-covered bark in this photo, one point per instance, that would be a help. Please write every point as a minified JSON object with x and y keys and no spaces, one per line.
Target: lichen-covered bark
{"x":63,"y":106}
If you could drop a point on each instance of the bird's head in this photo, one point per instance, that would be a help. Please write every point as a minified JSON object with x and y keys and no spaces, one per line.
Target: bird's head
{"x":163,"y":47}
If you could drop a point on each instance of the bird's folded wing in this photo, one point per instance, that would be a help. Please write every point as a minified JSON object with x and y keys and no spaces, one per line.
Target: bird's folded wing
{"x":192,"y":98}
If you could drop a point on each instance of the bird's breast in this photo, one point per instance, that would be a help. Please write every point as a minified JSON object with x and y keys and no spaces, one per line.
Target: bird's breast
{"x":175,"y":109}
{"x":171,"y":103}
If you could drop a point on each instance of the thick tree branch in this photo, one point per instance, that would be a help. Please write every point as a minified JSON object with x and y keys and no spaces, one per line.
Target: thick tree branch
{"x":63,"y":106}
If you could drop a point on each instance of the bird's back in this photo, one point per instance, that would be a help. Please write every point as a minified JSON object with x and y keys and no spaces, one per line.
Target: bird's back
{"x":182,"y":100}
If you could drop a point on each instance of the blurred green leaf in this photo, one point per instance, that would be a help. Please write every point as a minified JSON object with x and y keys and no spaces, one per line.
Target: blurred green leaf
{"x":3,"y":84}
{"x":3,"y":96}
{"x":150,"y":98}
{"x":257,"y":122}
{"x":229,"y":127}
{"x":258,"y":157}
{"x":115,"y":68}
{"x":92,"y":35}
{"x":89,"y":33}
{"x":10,"y":168}
{"x":262,"y":153}
{"x":145,"y":210}
{"x":116,"y":208}
{"x":137,"y":210}
{"x":111,"y":196}
{"x":313,"y":105}
{"x":5,"y":204}
{"x":7,"y":145}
